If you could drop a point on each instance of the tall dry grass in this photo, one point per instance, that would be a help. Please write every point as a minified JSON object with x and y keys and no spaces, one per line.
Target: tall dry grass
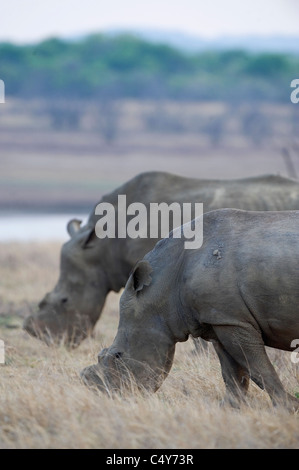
{"x":45,"y":405}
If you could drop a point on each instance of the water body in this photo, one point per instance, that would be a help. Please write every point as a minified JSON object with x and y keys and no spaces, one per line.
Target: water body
{"x":36,"y":227}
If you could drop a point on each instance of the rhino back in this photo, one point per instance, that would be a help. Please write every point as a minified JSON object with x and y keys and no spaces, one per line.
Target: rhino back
{"x":257,"y":193}
{"x":269,"y":192}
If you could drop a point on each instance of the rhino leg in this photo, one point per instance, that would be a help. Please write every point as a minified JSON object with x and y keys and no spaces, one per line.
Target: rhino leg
{"x":245,"y":345}
{"x":235,"y":377}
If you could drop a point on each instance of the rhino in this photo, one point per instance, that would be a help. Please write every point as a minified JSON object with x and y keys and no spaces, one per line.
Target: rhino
{"x":91,"y":267}
{"x":239,"y":291}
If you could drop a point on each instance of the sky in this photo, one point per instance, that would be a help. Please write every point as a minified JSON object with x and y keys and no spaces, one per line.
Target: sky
{"x":33,"y":20}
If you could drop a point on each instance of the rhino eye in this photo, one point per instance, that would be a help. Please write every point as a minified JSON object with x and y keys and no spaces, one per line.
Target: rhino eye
{"x":118,"y":355}
{"x":64,"y":300}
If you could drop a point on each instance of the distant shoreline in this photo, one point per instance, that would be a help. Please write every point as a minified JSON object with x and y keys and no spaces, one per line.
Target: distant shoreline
{"x":37,"y":226}
{"x":44,"y":209}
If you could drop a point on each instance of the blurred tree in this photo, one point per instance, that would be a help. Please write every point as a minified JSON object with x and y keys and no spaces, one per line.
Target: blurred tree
{"x":215,"y":129}
{"x":256,"y":126}
{"x":138,"y":69}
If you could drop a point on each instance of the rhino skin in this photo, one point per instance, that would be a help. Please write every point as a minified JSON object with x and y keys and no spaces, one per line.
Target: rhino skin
{"x":91,"y":267}
{"x":239,"y":291}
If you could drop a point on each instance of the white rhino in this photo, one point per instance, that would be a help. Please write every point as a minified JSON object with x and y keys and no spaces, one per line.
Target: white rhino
{"x":91,"y":267}
{"x":240,"y":291}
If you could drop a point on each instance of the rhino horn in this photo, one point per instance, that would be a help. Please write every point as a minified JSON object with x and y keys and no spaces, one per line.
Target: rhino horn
{"x":73,"y":226}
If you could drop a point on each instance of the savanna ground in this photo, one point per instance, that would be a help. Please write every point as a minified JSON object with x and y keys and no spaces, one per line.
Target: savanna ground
{"x":43,"y":402}
{"x":45,"y":405}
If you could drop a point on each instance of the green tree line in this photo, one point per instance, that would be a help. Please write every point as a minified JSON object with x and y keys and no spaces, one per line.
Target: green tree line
{"x":125,"y":66}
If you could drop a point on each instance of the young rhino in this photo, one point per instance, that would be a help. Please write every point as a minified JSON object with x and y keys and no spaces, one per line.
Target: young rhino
{"x":240,"y":291}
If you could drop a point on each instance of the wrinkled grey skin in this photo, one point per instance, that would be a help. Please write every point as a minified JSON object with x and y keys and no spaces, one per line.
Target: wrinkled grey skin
{"x":91,"y":267}
{"x":239,"y":291}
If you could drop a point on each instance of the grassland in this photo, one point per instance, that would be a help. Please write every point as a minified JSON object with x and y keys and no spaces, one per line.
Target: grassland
{"x":44,"y":404}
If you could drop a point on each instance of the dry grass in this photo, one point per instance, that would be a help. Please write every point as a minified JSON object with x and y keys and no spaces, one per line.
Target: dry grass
{"x":44,"y":404}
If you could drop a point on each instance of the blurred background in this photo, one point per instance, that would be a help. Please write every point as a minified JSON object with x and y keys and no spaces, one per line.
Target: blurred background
{"x":96,"y":92}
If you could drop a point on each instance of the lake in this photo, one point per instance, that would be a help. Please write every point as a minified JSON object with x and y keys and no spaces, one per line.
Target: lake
{"x":36,"y":227}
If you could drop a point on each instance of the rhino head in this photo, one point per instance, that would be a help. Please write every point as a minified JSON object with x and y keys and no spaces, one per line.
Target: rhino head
{"x":69,"y":312}
{"x":144,"y":346}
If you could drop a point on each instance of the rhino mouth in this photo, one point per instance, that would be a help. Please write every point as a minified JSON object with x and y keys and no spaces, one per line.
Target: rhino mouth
{"x":107,"y":381}
{"x":94,"y":378}
{"x":58,"y":333}
{"x":33,"y":328}
{"x":117,"y":374}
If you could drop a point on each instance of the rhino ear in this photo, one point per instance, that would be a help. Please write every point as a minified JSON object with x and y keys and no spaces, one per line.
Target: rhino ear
{"x":141,"y":275}
{"x":73,"y":226}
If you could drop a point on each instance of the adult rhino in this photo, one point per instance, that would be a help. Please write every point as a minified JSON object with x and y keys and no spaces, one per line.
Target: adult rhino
{"x":91,"y":267}
{"x":239,"y":291}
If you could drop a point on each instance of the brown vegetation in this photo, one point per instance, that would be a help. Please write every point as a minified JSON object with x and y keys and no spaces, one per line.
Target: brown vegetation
{"x":44,"y":404}
{"x":44,"y":166}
